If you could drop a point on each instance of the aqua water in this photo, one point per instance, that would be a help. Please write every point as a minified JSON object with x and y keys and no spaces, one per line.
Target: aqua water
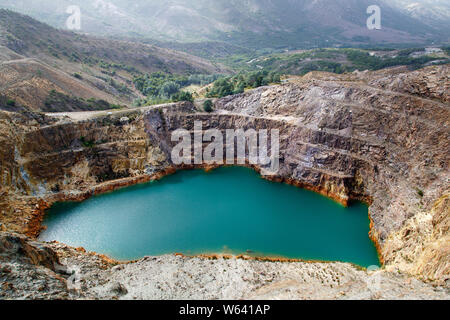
{"x":228,"y":210}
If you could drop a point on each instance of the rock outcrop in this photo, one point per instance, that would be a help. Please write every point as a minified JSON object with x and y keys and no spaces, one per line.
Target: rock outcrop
{"x":380,"y":137}
{"x":30,"y":270}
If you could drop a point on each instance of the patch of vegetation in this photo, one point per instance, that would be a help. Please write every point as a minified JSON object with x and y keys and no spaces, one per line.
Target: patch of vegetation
{"x":238,"y":83}
{"x":58,"y":101}
{"x":208,"y":106}
{"x":12,"y":105}
{"x":322,"y":65}
{"x":6,"y":103}
{"x":182,"y":96}
{"x":160,"y":87}
{"x":150,"y":101}
{"x":336,"y":60}
{"x":304,"y":37}
{"x":121,"y":88}
{"x":363,"y":60}
{"x":211,"y":50}
{"x":117,"y":66}
{"x":407,"y":52}
{"x":420,"y":192}
{"x":87,"y":143}
{"x":78,"y":76}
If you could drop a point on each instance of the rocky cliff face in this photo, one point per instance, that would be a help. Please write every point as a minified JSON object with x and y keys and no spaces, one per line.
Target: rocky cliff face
{"x":381,"y":137}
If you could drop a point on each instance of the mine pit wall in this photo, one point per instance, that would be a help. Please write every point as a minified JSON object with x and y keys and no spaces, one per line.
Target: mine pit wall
{"x":73,"y":157}
{"x":66,"y":161}
{"x":59,"y":161}
{"x":73,"y":160}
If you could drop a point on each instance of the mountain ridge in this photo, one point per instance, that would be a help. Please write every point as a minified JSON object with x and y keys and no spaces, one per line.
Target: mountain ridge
{"x":298,"y":23}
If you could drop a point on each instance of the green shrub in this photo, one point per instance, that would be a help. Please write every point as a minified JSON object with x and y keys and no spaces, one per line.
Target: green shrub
{"x":420,"y":193}
{"x":182,"y":96}
{"x":86,"y":143}
{"x":10,"y":103}
{"x":208,"y":106}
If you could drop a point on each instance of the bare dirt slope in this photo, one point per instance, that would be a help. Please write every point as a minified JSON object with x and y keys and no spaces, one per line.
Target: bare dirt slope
{"x":36,"y":58}
{"x":29,"y":82}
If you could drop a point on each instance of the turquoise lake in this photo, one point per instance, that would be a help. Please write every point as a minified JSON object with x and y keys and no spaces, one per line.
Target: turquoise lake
{"x":228,"y":210}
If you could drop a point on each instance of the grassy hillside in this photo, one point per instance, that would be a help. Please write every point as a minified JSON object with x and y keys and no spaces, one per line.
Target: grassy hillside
{"x":32,"y":38}
{"x":301,"y":62}
{"x":37,"y":59}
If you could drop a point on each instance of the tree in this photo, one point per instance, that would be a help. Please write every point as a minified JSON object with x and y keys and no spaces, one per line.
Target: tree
{"x":221,"y":88}
{"x":168,"y":89}
{"x":240,"y":87}
{"x":182,"y":96}
{"x":208,"y":106}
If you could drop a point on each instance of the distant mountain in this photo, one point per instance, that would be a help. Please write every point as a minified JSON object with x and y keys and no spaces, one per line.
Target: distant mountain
{"x":435,"y":13}
{"x":251,"y":23}
{"x":47,"y":69}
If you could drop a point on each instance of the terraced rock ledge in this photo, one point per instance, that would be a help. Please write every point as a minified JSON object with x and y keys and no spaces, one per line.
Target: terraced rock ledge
{"x":379,"y":137}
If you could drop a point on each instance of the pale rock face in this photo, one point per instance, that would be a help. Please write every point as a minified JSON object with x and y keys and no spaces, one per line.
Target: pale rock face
{"x":381,"y":137}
